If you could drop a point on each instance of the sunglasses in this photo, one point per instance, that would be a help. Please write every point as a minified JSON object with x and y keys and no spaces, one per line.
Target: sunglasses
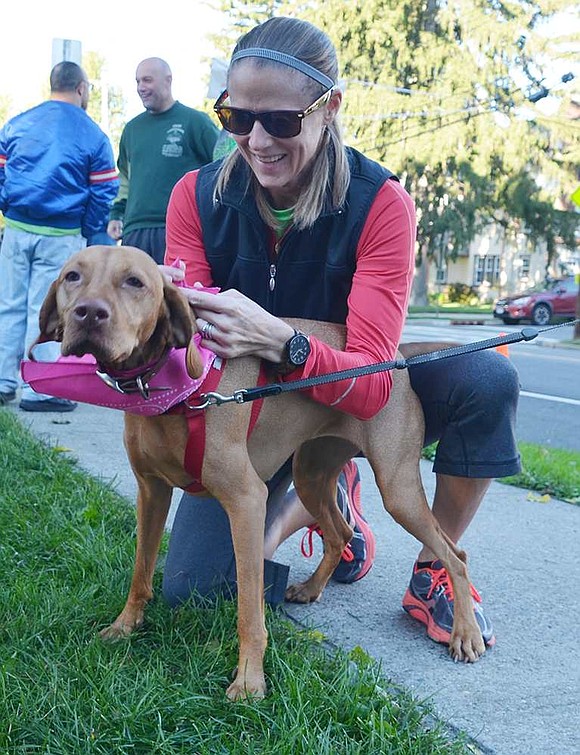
{"x":282,"y":124}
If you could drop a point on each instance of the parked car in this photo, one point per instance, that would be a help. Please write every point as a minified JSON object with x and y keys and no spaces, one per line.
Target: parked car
{"x":540,"y":303}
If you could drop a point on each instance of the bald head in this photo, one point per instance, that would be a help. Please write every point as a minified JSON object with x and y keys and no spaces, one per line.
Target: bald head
{"x":154,"y":85}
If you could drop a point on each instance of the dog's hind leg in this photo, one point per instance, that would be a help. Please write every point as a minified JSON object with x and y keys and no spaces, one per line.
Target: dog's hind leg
{"x":316,"y":467}
{"x":153,"y":501}
{"x":404,"y":498}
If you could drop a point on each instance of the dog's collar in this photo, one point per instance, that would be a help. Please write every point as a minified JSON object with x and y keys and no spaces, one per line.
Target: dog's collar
{"x":136,"y":380}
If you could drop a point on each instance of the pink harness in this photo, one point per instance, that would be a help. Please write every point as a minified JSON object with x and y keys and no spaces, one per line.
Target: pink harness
{"x":147,"y":390}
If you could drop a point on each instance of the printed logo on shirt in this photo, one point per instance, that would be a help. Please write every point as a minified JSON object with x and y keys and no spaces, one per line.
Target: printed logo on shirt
{"x":173,"y":146}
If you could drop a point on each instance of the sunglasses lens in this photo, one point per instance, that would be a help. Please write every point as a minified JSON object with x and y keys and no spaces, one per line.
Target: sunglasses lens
{"x":283,"y":125}
{"x":277,"y":123}
{"x":238,"y":122}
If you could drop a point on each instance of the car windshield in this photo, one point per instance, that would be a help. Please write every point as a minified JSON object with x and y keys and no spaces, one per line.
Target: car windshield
{"x":543,"y":286}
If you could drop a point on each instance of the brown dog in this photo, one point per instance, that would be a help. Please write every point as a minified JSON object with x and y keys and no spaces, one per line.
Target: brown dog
{"x":113,"y":302}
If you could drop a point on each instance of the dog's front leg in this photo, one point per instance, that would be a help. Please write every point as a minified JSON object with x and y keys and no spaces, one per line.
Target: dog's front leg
{"x":243,"y":496}
{"x":153,"y":501}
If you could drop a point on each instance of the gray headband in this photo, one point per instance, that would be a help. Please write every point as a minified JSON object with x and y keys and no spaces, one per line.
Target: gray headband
{"x":287,"y":60}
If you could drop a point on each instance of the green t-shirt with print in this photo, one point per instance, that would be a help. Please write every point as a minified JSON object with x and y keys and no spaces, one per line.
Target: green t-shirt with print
{"x":155,"y":151}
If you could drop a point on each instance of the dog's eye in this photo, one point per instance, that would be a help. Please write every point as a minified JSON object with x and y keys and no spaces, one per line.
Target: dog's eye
{"x":134,"y":282}
{"x":72,"y":276}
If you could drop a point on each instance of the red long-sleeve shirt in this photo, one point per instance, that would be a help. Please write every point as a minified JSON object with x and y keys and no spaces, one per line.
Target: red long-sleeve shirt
{"x":377,"y":302}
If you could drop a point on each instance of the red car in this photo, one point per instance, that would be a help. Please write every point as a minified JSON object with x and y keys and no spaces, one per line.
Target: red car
{"x":540,"y":303}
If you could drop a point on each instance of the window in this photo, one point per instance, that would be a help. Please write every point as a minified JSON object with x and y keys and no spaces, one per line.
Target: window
{"x":486,"y":268}
{"x":524,"y":268}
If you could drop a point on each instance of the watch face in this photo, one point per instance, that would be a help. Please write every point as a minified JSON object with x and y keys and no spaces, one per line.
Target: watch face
{"x":298,"y":349}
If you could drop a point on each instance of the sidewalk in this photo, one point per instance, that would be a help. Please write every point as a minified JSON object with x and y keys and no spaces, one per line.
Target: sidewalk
{"x":521,"y":696}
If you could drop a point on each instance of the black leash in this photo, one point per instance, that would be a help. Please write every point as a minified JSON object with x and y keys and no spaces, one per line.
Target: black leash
{"x":274,"y":389}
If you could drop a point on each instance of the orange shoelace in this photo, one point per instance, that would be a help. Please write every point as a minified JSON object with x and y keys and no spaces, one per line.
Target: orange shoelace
{"x":441,"y":579}
{"x":307,"y":545}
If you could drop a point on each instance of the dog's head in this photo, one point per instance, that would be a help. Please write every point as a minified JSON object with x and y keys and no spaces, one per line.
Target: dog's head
{"x":114,"y":303}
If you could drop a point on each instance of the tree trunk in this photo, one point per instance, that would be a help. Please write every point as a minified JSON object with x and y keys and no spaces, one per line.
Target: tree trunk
{"x":576,"y":335}
{"x":420,"y":290}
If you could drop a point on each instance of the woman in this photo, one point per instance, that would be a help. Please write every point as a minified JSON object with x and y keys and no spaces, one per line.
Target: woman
{"x":293,"y":224}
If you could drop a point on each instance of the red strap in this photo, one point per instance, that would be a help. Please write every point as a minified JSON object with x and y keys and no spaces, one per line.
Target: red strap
{"x":195,"y":447}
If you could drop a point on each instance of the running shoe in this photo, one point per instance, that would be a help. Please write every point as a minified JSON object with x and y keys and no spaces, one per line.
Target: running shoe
{"x":429,"y":599}
{"x":359,"y":555}
{"x":6,"y":396}
{"x":48,"y":405}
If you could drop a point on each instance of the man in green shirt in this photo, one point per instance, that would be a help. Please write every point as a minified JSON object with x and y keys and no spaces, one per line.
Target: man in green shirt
{"x":157,"y":148}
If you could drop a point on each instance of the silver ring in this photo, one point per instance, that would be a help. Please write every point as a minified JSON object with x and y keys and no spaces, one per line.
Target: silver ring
{"x":206,"y":330}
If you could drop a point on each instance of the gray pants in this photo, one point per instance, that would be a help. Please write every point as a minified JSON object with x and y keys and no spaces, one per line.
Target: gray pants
{"x":150,"y":240}
{"x":29,"y":263}
{"x":470,"y":406}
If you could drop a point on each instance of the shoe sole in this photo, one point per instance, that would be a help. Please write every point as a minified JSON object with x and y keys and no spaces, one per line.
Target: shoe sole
{"x":53,"y":409}
{"x":417,"y":609}
{"x":6,"y":398}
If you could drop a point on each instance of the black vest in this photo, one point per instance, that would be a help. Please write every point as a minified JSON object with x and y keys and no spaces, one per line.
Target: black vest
{"x":314,"y":268}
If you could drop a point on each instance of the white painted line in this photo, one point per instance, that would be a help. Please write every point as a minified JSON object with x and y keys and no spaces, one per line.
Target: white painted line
{"x":557,"y":399}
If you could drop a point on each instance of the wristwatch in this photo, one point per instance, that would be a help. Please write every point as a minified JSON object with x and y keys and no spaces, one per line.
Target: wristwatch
{"x":296,"y":352}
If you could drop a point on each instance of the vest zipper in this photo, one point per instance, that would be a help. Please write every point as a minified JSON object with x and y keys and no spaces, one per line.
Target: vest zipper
{"x":273,"y":269}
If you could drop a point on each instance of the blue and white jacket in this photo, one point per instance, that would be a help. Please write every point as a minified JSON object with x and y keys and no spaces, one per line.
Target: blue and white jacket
{"x":56,"y":169}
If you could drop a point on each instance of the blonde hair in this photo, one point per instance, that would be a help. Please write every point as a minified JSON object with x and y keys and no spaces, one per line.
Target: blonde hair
{"x":329,"y":169}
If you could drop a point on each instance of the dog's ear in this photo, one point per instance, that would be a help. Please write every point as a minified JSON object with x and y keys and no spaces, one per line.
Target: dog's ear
{"x":181,"y":321}
{"x":49,"y":319}
{"x":193,"y":361}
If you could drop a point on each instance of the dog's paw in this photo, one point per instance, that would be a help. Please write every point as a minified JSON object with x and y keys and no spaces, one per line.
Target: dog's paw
{"x":467,"y":648}
{"x":246,"y":689}
{"x":117,"y":631}
{"x":302,"y":592}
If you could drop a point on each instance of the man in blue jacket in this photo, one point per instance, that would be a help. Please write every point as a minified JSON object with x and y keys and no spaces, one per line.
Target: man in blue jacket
{"x":57,"y":183}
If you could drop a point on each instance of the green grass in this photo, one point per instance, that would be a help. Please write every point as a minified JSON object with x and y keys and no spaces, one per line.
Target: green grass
{"x":452,"y":309}
{"x":551,"y":471}
{"x":66,"y":554}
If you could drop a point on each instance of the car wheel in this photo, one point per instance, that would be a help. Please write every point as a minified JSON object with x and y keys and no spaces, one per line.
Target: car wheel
{"x":541,"y":314}
{"x":510,"y":320}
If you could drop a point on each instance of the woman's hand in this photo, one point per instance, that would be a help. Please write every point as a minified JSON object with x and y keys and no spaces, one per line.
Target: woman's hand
{"x":174,"y":273}
{"x":233,"y":325}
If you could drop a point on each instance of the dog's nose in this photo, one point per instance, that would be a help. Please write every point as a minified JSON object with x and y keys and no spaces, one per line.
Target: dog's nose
{"x":92,"y":313}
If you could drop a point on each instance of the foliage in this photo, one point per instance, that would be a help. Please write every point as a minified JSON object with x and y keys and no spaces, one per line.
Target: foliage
{"x":461,"y":293}
{"x":427,"y":84}
{"x":112,"y":117}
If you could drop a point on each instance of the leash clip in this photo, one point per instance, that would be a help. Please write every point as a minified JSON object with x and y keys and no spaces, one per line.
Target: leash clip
{"x":212,"y":398}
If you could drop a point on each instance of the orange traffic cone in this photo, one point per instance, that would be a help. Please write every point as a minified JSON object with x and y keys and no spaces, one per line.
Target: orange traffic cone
{"x":503,"y":348}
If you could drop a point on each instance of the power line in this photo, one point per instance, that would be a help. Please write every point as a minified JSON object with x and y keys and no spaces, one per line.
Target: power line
{"x":426,"y":131}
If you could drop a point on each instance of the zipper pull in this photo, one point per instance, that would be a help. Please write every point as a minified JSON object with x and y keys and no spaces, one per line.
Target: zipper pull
{"x":272,"y":283}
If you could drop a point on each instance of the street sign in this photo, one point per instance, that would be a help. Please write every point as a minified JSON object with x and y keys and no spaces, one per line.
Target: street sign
{"x":66,"y":49}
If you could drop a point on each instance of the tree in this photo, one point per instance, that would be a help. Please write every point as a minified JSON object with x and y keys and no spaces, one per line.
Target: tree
{"x":242,"y":16}
{"x":110,"y":115}
{"x":426,"y":84}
